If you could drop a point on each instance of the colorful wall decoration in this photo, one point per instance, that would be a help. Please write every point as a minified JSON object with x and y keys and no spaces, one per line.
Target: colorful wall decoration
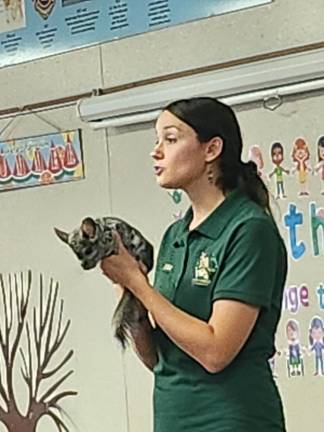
{"x":41,"y":160}
{"x":300,"y":171}
{"x":296,"y":183}
{"x":31,"y":29}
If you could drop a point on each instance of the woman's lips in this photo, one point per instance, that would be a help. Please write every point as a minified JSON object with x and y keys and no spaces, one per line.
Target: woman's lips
{"x":158,"y":170}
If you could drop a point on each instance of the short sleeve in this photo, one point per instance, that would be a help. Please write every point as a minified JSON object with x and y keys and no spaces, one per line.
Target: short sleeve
{"x":248,"y":271}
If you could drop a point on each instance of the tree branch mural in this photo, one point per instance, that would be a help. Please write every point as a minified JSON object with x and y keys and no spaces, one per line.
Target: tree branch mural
{"x":30,"y":338}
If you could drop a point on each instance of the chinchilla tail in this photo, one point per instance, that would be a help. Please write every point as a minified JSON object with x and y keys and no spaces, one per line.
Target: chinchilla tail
{"x":120,"y":319}
{"x":121,"y":335}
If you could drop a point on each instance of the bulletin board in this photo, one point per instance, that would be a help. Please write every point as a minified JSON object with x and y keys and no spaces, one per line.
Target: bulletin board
{"x":35,"y":29}
{"x":293,"y":172}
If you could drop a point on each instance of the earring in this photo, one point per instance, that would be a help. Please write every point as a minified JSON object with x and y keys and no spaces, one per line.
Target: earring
{"x":210,"y":176}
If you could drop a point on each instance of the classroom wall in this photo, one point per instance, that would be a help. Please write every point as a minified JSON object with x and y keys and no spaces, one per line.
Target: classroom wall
{"x":280,"y":25}
{"x":115,"y":389}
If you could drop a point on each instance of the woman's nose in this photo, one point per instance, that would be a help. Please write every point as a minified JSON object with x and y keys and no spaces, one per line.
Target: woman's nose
{"x":157,"y":152}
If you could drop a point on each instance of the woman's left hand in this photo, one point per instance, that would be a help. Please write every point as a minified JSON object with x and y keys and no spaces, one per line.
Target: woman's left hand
{"x":122,"y":268}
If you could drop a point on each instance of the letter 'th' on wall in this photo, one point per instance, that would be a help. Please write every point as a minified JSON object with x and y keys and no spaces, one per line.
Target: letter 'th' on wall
{"x":317,"y":221}
{"x":292,"y":219}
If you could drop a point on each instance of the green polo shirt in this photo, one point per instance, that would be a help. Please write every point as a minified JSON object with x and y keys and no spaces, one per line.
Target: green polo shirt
{"x":236,"y":253}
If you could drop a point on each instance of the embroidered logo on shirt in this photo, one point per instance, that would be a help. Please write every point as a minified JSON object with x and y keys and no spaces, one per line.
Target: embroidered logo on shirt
{"x":205,"y":267}
{"x":167,"y":267}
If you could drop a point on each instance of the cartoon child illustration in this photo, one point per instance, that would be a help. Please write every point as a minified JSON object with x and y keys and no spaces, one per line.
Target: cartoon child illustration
{"x":277,"y":156}
{"x":316,"y":340}
{"x":255,"y":156}
{"x":300,"y":156}
{"x":295,"y":363}
{"x":319,"y":167}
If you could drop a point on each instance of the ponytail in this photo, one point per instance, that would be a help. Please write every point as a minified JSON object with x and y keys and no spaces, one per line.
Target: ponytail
{"x":245,"y":176}
{"x":251,"y":184}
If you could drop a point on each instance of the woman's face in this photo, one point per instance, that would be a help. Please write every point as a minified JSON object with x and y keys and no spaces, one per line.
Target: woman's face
{"x":179,"y":157}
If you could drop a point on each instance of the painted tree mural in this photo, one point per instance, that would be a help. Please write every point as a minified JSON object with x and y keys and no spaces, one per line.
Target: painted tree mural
{"x":31,"y":339}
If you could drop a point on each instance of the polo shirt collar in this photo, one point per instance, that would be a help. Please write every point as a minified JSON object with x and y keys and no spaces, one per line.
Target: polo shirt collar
{"x":212,"y":226}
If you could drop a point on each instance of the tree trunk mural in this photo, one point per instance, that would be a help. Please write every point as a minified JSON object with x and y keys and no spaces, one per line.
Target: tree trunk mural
{"x":29,"y":339}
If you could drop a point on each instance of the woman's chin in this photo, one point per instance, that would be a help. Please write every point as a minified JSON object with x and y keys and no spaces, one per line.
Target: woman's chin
{"x":165,"y":184}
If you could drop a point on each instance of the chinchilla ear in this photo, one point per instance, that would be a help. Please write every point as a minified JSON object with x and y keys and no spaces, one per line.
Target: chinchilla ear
{"x":88,"y":227}
{"x":64,"y":236}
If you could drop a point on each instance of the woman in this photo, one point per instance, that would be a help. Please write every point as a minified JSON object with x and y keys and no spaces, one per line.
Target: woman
{"x":218,"y":284}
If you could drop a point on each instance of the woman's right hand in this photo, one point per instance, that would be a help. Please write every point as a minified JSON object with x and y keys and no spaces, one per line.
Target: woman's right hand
{"x":120,"y":289}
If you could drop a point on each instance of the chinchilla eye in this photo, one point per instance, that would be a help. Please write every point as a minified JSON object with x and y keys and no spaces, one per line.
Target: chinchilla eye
{"x":88,"y":251}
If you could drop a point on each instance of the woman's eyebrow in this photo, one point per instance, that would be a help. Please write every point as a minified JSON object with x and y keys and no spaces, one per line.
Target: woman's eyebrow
{"x":172,"y":126}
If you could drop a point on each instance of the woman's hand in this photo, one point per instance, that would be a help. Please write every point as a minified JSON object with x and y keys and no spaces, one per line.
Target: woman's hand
{"x":123,"y":269}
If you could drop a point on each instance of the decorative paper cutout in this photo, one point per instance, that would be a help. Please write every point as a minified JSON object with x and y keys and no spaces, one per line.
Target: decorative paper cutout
{"x":277,"y":156}
{"x":300,"y":156}
{"x":255,"y":155}
{"x":316,"y":340}
{"x":272,"y":363}
{"x":319,"y":167}
{"x":41,"y":160}
{"x":294,"y":356}
{"x":176,"y":196}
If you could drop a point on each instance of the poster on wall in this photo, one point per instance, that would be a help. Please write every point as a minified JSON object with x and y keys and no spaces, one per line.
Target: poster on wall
{"x":35,"y":29}
{"x":293,"y":171}
{"x":41,"y":160}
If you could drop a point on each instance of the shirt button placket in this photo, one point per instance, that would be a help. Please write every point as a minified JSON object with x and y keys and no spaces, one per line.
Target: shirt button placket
{"x":180,"y":261}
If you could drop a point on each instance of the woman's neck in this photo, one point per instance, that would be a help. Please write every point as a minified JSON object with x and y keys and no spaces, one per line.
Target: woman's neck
{"x":203,"y":204}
